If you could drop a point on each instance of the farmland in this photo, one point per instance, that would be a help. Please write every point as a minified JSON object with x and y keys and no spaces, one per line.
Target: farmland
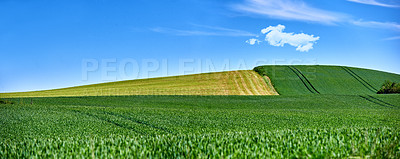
{"x":202,"y":125}
{"x":243,"y":82}
{"x":314,"y":116}
{"x":314,"y":79}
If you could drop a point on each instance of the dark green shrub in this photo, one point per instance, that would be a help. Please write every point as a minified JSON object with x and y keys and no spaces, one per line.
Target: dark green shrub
{"x":259,"y":70}
{"x":389,"y":87}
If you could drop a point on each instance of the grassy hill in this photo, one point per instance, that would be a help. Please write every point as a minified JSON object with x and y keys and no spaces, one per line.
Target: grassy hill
{"x":285,"y":80}
{"x":244,"y":82}
{"x":315,"y":79}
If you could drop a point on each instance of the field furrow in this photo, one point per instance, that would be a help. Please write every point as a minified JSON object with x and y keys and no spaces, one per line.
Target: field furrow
{"x":243,"y":84}
{"x":251,"y":83}
{"x":238,"y":86}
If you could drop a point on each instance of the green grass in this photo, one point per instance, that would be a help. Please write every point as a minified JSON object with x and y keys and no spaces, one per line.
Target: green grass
{"x":316,"y":143}
{"x":323,"y":112}
{"x":315,"y":79}
{"x":201,"y":126}
{"x":244,"y":82}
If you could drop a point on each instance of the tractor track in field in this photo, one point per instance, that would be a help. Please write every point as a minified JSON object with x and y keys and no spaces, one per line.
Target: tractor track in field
{"x":123,"y":117}
{"x":108,"y":121}
{"x":382,"y":101}
{"x":138,"y":121}
{"x":305,"y":81}
{"x":359,"y":79}
{"x":377,"y":101}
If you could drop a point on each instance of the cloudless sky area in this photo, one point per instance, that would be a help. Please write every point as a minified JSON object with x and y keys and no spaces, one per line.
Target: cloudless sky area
{"x":46,"y":44}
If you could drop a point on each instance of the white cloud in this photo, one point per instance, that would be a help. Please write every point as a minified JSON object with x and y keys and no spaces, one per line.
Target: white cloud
{"x":203,"y":30}
{"x":290,"y":10}
{"x":374,"y":24}
{"x":253,"y":41}
{"x":276,"y":37}
{"x":374,"y":2}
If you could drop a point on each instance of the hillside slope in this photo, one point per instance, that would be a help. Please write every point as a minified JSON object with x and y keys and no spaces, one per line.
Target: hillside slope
{"x":285,"y":80}
{"x":315,"y":79}
{"x":245,"y":82}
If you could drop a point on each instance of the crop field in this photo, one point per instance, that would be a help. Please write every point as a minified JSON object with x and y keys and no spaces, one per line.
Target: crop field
{"x":314,"y":79}
{"x":202,"y":126}
{"x":243,"y":82}
{"x":271,"y":112}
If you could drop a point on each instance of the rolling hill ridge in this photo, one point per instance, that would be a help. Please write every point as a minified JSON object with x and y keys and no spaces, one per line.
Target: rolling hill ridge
{"x":262,"y":80}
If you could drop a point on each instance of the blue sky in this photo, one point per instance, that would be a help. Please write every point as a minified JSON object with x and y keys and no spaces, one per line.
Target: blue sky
{"x":47,"y":44}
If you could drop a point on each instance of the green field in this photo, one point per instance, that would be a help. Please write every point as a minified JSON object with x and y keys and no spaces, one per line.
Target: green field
{"x":315,"y":79}
{"x":322,"y":125}
{"x":313,"y":117}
